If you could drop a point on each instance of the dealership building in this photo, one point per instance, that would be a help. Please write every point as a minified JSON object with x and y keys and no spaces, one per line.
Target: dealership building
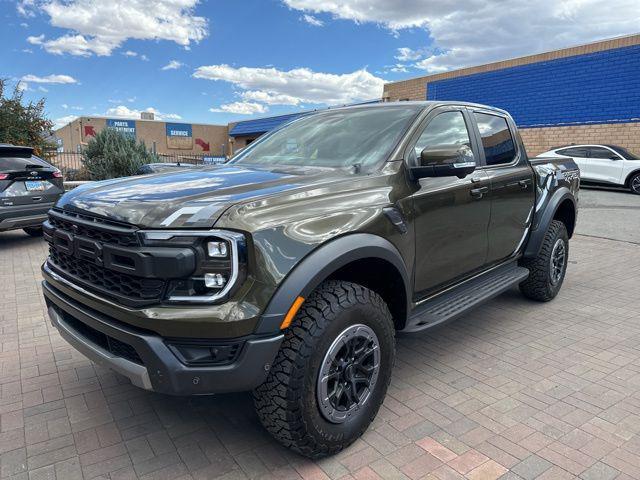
{"x":167,"y":138}
{"x":584,"y":94}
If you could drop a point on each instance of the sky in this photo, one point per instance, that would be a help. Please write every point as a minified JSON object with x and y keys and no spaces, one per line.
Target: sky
{"x":217,"y":61}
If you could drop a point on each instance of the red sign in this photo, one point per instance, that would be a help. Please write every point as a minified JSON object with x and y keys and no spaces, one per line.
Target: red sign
{"x":89,"y":131}
{"x":203,"y":144}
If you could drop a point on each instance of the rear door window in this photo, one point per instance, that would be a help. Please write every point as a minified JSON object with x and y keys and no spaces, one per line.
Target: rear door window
{"x":497,"y":142}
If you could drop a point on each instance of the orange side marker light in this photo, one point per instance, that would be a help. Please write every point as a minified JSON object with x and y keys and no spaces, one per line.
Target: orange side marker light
{"x":291,"y":313}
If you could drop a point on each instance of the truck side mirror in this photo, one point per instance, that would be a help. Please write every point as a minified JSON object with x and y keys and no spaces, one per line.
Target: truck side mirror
{"x":445,"y":161}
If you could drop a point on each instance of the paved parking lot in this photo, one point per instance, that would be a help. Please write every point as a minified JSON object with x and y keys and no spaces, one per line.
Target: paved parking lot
{"x":515,"y":389}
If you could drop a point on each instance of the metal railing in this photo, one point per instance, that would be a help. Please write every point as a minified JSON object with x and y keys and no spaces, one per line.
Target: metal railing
{"x":71,"y":164}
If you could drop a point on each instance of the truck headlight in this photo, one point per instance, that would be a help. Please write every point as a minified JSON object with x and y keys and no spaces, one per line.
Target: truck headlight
{"x":217,"y":249}
{"x":221,"y":263}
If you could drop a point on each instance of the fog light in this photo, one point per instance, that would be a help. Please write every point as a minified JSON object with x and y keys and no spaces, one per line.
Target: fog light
{"x":217,"y":249}
{"x":214,"y":280}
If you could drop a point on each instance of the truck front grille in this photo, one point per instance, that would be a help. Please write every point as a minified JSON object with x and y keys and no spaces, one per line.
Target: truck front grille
{"x":95,"y":228}
{"x":85,"y":268}
{"x":106,"y":281}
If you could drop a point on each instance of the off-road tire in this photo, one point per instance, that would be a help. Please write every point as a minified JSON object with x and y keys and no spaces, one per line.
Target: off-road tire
{"x":539,"y":286}
{"x":33,"y":231}
{"x":287,"y":401}
{"x":634,"y":184}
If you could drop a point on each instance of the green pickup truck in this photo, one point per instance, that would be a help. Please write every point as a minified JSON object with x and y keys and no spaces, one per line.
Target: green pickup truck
{"x":289,"y":270}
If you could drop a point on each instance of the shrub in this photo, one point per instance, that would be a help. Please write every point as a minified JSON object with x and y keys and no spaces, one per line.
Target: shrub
{"x":112,"y":154}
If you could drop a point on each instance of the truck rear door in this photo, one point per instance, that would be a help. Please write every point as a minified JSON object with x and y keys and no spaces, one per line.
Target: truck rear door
{"x":511,"y":179}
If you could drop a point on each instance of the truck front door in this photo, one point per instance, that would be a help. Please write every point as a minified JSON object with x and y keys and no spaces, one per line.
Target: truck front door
{"x":451,"y":215}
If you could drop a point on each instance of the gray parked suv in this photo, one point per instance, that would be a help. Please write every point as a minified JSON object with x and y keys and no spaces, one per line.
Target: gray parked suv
{"x":29,"y":187}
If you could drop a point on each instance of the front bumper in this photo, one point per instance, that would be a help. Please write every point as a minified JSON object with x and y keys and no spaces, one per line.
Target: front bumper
{"x":21,"y":216}
{"x":147,"y":359}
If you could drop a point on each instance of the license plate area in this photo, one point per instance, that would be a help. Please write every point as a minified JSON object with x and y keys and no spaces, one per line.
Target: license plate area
{"x":34,"y":185}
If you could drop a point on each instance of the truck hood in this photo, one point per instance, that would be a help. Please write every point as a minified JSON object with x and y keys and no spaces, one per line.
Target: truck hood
{"x":193,"y":198}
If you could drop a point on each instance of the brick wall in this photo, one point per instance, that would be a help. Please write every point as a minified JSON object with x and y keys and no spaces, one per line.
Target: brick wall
{"x":75,"y":133}
{"x":538,"y":140}
{"x":416,"y":88}
{"x":598,"y":87}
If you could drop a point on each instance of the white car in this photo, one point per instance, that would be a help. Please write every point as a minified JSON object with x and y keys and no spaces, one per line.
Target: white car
{"x":603,"y":164}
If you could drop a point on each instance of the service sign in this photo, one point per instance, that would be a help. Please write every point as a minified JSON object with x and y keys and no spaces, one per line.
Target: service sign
{"x":179,"y":136}
{"x":128,"y":127}
{"x":178,"y":130}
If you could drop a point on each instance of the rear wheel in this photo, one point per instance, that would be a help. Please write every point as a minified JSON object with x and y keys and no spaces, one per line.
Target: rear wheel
{"x":548,"y":268}
{"x":332,"y":371}
{"x":33,"y":231}
{"x":634,"y":184}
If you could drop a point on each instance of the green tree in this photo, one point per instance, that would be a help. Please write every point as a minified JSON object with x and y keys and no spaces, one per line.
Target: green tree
{"x":23,"y":124}
{"x":113,"y":154}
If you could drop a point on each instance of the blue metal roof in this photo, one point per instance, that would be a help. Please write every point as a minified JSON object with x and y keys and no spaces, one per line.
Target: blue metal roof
{"x":262,"y":125}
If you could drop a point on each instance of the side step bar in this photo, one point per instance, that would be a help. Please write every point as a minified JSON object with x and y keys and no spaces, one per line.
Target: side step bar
{"x":456,"y":301}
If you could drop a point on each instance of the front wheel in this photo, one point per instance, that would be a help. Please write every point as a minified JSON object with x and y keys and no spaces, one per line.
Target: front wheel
{"x":548,"y":268}
{"x":332,"y":371}
{"x":634,"y":184}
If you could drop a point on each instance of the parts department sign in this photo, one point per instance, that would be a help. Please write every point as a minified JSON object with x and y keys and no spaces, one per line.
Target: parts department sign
{"x":128,"y":127}
{"x":179,"y":136}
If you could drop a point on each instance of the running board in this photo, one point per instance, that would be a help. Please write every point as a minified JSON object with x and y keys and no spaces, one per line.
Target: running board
{"x":458,"y":300}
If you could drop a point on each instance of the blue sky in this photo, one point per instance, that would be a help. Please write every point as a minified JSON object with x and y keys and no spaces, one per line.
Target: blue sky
{"x":219,"y":61}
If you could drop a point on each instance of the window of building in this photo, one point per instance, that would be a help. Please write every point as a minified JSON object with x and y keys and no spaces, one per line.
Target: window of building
{"x":497,"y":141}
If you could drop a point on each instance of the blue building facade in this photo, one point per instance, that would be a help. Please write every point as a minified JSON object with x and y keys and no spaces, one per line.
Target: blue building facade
{"x":595,"y":88}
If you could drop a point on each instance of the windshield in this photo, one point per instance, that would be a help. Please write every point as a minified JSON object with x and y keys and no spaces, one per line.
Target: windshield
{"x":624,"y":152}
{"x":341,"y":138}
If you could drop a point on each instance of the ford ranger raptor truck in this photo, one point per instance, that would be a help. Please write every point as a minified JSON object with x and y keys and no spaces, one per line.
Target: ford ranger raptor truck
{"x":288,"y":270}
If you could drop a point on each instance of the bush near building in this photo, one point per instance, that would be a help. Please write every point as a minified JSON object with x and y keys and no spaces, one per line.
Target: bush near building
{"x":112,"y":154}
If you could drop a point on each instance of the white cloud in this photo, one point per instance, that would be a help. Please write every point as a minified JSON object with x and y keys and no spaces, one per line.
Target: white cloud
{"x":42,"y":89}
{"x":311,"y":20}
{"x":98,"y":27}
{"x":122,"y":111}
{"x":132,"y":54}
{"x":473,"y":32}
{"x":173,"y":65}
{"x":269,"y":98}
{"x":406,"y":54}
{"x":49,"y":79}
{"x":300,"y":85}
{"x":62,"y":121}
{"x":242,"y":108}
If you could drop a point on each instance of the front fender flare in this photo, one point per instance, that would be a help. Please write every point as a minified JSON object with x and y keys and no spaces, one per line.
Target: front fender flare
{"x":545,"y":218}
{"x":320,"y":264}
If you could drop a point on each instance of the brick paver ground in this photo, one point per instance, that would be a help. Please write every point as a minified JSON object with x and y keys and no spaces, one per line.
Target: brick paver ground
{"x":515,"y":390}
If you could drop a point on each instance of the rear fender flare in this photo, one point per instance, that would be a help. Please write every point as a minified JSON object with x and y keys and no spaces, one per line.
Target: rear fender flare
{"x":549,"y":211}
{"x":320,"y":264}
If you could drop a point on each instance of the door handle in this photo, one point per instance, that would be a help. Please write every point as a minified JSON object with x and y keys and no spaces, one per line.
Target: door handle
{"x":524,"y":184}
{"x":479,"y":192}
